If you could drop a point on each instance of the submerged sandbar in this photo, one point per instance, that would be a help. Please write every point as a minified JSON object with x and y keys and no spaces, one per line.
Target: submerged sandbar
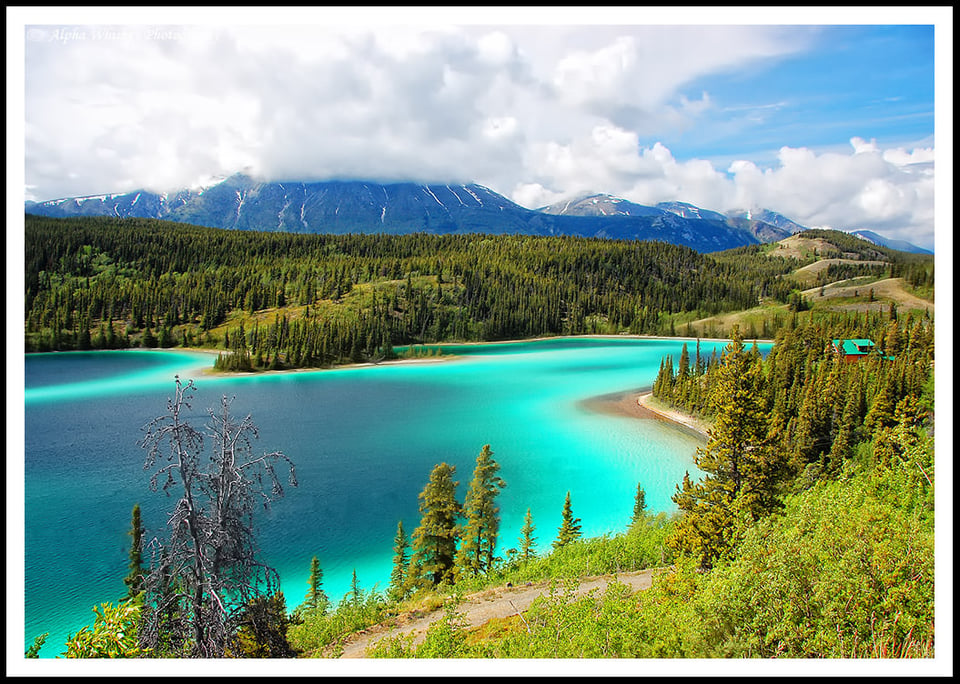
{"x":640,"y":404}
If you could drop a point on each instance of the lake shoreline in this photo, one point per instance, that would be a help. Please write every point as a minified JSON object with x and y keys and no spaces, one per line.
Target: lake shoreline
{"x":639,"y":404}
{"x":451,"y":357}
{"x":684,"y":420}
{"x":433,"y":359}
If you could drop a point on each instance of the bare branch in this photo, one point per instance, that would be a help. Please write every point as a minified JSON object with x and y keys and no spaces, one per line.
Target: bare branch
{"x":207,"y":570}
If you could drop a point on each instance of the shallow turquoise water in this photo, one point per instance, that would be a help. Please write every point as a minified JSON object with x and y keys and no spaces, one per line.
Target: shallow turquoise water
{"x":363,"y":440}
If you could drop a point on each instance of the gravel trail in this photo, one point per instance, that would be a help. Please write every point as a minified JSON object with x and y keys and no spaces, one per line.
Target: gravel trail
{"x":477,"y":609}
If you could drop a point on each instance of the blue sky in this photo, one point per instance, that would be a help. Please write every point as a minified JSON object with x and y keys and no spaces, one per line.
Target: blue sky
{"x":872,"y":82}
{"x":811,"y":113}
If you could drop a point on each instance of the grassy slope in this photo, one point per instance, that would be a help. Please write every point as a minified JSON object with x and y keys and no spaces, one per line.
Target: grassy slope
{"x":814,"y":256}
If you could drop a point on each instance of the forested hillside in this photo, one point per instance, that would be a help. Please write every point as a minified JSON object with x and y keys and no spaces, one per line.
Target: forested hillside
{"x":282,"y":300}
{"x":314,"y":300}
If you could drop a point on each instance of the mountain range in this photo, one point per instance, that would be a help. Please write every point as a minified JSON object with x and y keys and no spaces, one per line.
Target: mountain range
{"x":244,"y":203}
{"x":901,"y":245}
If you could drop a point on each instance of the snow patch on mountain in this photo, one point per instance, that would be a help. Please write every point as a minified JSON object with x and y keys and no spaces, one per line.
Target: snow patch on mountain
{"x":241,"y":202}
{"x":433,"y":196}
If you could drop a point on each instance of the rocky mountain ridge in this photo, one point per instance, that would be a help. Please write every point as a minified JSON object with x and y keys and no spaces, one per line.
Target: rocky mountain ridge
{"x":244,"y":203}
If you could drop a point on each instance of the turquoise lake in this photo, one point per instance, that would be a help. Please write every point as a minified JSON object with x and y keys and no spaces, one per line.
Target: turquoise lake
{"x":363,"y":440}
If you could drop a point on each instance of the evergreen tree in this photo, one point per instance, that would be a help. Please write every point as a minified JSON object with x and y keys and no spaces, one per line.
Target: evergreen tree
{"x":38,"y":642}
{"x":881,"y":413}
{"x":435,"y":539}
{"x":398,"y":576}
{"x":134,"y":578}
{"x":681,"y":383}
{"x":527,"y":540}
{"x":850,"y":419}
{"x":569,"y":529}
{"x":83,"y":336}
{"x":639,"y":504}
{"x":316,"y":600}
{"x":664,"y":384}
{"x":356,"y":593}
{"x":482,"y":516}
{"x":165,"y":338}
{"x":148,"y":341}
{"x":100,"y":340}
{"x":110,"y":340}
{"x":386,"y":346}
{"x":262,"y":629}
{"x":743,"y":471}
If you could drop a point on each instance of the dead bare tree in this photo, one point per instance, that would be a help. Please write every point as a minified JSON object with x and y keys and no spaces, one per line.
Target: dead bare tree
{"x":207,"y":569}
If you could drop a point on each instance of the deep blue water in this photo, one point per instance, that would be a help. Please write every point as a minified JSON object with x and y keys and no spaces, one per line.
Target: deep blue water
{"x":364,"y":441}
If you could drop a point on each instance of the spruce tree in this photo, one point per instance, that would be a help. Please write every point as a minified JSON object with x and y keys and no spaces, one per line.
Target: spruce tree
{"x":134,"y":578}
{"x":316,"y":600}
{"x":83,"y":336}
{"x":881,"y":413}
{"x":743,"y":469}
{"x":527,"y":540}
{"x":850,"y":421}
{"x":482,"y":516}
{"x":148,"y":340}
{"x":100,"y":340}
{"x":435,"y":539}
{"x":262,"y":629}
{"x":398,"y":577}
{"x":639,"y":505}
{"x":356,"y":593}
{"x":165,"y":338}
{"x":681,"y":384}
{"x":663,"y":385}
{"x":569,"y":527}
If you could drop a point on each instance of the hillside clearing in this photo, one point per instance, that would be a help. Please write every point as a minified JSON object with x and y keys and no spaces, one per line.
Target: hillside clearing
{"x":868,"y":296}
{"x":803,"y":247}
{"x":808,"y":275}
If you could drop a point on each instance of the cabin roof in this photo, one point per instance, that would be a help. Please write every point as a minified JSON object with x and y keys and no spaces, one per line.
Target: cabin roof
{"x":854,"y":346}
{"x":857,"y":347}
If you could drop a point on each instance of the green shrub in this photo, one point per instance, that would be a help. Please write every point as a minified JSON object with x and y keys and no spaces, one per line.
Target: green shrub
{"x":113,"y":634}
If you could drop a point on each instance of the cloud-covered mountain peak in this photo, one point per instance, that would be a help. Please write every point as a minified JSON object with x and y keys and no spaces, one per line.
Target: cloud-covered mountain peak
{"x":242,"y":202}
{"x":599,"y":204}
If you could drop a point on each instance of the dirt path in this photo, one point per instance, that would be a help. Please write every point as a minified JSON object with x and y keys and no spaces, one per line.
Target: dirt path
{"x":477,"y":609}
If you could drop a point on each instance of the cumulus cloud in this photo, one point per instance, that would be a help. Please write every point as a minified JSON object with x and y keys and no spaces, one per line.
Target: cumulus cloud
{"x":633,"y":79}
{"x":306,"y":103}
{"x":112,"y":106}
{"x":886,"y":190}
{"x":869,"y":187}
